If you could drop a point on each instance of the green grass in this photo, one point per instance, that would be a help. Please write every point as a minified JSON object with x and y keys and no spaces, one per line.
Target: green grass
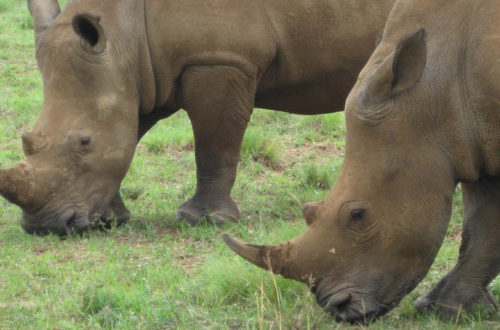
{"x":157,"y":273}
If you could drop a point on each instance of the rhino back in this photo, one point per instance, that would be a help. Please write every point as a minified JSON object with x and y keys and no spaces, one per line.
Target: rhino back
{"x":322,"y":47}
{"x":198,"y":32}
{"x":306,"y":54}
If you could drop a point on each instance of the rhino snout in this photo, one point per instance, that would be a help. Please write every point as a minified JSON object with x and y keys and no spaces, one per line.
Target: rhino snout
{"x":350,"y":305}
{"x":65,"y":223}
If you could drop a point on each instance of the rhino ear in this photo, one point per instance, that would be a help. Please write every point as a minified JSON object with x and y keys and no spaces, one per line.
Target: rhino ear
{"x":43,"y":12}
{"x":91,"y":32}
{"x":398,"y":72}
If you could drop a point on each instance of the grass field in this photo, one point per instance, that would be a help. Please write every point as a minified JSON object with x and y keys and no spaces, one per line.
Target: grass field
{"x":157,"y":273}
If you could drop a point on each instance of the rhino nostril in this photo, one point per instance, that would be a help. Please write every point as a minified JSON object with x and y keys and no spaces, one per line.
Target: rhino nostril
{"x":70,"y":224}
{"x":77,"y":224}
{"x":338,"y":302}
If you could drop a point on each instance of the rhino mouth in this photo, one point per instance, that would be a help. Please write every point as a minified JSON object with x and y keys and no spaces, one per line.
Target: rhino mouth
{"x":348,"y":303}
{"x":68,"y":222}
{"x":352,"y":306}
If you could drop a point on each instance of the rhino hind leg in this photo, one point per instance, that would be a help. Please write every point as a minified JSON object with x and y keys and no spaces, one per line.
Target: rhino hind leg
{"x":464,"y":289}
{"x":219,"y":101}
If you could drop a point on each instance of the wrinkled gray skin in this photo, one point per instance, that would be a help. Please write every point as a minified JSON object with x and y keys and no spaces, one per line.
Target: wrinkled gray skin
{"x":112,"y":69}
{"x":423,"y":116}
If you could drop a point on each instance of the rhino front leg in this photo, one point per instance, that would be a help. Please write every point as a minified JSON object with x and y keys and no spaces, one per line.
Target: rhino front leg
{"x":219,"y":101}
{"x":465,"y":287}
{"x":121,"y":212}
{"x":118,"y":209}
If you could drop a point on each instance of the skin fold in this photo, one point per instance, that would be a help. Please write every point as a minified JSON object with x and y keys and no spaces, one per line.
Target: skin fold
{"x":422,"y":117}
{"x":112,"y":69}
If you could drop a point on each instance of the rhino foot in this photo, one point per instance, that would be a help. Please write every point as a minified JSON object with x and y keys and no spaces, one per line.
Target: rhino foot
{"x":108,"y":219}
{"x":197,"y":211}
{"x":116,"y":212}
{"x":451,"y":298}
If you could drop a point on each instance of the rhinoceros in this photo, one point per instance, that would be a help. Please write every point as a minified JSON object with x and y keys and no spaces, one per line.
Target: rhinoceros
{"x":112,"y":69}
{"x":422,"y":117}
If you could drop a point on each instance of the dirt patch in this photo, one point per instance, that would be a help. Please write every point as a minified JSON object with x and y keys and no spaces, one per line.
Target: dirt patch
{"x":455,"y":237}
{"x":291,"y":154}
{"x":185,"y":257}
{"x":175,"y":151}
{"x":179,"y":151}
{"x":168,"y":231}
{"x":188,"y":262}
{"x":131,"y":240}
{"x":318,"y":149}
{"x":69,"y":252}
{"x":39,"y":250}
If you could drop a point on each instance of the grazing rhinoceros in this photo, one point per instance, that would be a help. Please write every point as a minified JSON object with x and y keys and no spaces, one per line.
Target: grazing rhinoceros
{"x":423,"y":116}
{"x":112,"y":69}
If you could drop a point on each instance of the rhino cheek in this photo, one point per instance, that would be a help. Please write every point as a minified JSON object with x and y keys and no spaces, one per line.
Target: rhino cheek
{"x":312,"y":256}
{"x":382,"y":269}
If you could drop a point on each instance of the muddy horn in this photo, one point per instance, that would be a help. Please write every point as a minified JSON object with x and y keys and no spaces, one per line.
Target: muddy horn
{"x":266,"y":257}
{"x":15,"y":185}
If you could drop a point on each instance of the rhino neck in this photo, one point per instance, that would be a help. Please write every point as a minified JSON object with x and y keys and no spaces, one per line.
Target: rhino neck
{"x":450,"y":97}
{"x":472,"y":131}
{"x":147,"y":85}
{"x":481,"y":84}
{"x":162,"y":54}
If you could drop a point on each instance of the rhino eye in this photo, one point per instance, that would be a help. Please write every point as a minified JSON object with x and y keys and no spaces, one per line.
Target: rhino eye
{"x":85,"y":141}
{"x":358,"y":214}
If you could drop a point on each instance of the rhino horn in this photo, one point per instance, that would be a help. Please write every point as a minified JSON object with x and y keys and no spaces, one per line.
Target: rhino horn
{"x":43,"y":13}
{"x":266,"y":257}
{"x":16,"y":185}
{"x":32,"y":143}
{"x":310,"y":211}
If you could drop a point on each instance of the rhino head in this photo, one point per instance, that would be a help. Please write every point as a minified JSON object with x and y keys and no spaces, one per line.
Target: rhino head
{"x":84,"y":139}
{"x":377,"y":233}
